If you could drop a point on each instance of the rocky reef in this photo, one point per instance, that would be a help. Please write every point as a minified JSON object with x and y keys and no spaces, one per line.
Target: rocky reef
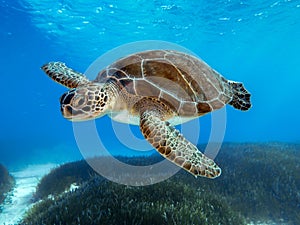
{"x":259,"y":182}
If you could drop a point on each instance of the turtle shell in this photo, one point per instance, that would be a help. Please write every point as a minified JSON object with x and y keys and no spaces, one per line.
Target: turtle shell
{"x":185,"y":82}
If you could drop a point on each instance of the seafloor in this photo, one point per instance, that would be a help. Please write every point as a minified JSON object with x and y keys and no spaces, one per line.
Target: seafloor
{"x":260,"y":184}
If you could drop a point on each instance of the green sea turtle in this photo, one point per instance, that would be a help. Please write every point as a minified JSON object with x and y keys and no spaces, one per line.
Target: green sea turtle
{"x":156,"y":90}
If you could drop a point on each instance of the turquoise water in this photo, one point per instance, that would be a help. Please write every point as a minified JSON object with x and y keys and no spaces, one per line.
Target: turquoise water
{"x":255,"y":42}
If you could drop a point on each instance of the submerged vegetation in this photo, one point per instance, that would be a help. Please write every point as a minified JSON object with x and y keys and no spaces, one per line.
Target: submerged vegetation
{"x":260,"y":182}
{"x":103,"y":202}
{"x":60,"y":179}
{"x":6,"y":183}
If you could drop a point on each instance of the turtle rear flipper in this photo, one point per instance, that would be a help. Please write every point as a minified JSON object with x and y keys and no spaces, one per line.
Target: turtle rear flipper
{"x":241,"y":97}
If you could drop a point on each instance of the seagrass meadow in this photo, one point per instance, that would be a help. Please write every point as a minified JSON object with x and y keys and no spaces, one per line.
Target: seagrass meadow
{"x":260,"y":182}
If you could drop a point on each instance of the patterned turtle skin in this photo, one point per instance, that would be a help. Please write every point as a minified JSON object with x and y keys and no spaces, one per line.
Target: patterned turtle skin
{"x":156,"y":90}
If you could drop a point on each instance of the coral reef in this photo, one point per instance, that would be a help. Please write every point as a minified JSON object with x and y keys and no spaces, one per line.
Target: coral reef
{"x":260,"y":182}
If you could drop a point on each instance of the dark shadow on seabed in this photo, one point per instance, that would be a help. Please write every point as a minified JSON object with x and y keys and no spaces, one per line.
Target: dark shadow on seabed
{"x":6,"y":183}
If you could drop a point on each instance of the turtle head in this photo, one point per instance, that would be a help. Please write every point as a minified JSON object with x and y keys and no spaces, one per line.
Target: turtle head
{"x":85,"y":102}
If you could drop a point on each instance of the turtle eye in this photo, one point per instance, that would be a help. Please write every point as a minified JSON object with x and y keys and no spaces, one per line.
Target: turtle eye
{"x":78,"y":100}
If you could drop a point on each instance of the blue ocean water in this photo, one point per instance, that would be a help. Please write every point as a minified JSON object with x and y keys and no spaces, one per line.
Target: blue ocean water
{"x":249,"y":41}
{"x":255,"y":42}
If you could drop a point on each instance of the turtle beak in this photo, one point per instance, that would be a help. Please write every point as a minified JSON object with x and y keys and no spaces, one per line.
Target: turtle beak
{"x":67,"y":111}
{"x":74,"y":115}
{"x":70,"y":114}
{"x":66,"y":108}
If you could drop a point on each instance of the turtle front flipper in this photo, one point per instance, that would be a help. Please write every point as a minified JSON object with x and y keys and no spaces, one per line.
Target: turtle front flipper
{"x":64,"y":75}
{"x":173,"y":146}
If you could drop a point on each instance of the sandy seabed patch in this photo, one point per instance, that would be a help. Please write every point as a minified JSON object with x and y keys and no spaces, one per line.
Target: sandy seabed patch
{"x":18,"y":200}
